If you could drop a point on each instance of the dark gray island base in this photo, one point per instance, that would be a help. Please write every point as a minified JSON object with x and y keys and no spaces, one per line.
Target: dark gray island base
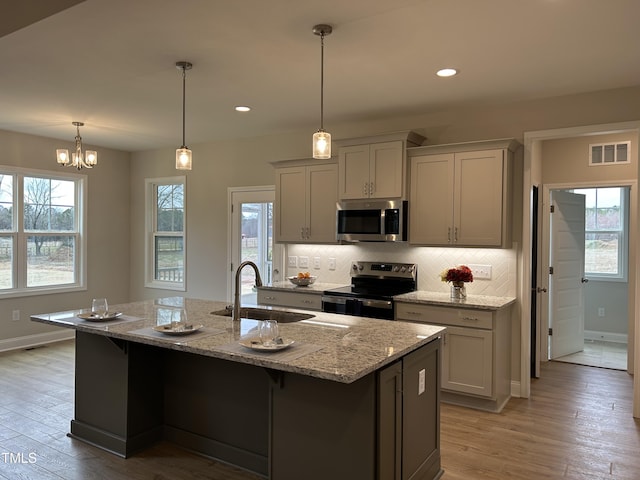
{"x":273,"y":421}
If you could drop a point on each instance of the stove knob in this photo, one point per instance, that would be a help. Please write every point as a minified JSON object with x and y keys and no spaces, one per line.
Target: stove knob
{"x":396,"y":268}
{"x":403,"y":269}
{"x":360,"y":267}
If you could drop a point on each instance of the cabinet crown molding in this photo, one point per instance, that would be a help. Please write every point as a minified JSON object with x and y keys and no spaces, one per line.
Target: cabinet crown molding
{"x":411,"y":138}
{"x":510,"y":144}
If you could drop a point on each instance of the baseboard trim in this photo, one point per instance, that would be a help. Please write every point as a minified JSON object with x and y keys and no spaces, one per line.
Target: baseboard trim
{"x":35,"y":340}
{"x":606,"y":336}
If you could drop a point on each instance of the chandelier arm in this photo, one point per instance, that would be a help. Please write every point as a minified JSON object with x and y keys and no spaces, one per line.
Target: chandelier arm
{"x":184,"y":86}
{"x":322,"y":81}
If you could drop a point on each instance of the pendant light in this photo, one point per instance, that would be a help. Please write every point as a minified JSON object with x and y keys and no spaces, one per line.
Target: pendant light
{"x":183,"y":154}
{"x":87,"y":160}
{"x":322,"y":139}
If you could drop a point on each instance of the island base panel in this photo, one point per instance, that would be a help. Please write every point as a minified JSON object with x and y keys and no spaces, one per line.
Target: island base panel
{"x":118,"y":394}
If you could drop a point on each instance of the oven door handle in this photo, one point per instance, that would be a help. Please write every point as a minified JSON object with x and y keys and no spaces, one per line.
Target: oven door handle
{"x":335,"y":300}
{"x":383,"y":304}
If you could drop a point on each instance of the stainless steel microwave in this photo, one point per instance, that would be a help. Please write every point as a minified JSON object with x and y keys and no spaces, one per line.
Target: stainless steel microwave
{"x":372,"y":221}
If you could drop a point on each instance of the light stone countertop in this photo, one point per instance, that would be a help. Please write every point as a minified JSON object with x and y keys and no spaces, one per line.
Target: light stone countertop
{"x":478,"y":302}
{"x":316,"y":288}
{"x":340,"y":348}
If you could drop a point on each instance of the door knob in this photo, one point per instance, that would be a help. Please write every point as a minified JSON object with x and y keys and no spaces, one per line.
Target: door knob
{"x":541,"y":290}
{"x":584,"y":280}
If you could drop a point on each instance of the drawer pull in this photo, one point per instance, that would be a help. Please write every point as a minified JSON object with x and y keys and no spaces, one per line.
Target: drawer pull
{"x":307,"y":301}
{"x":269,"y":298}
{"x":470,"y":319}
{"x":409,"y":312}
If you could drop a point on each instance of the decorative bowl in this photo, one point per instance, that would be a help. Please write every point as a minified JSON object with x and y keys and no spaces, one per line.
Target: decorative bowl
{"x":302,"y":281}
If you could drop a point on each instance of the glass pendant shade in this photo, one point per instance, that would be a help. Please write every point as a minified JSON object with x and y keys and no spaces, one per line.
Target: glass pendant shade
{"x":62,"y":155}
{"x":321,"y":145}
{"x":91,"y":157}
{"x":183,"y":158}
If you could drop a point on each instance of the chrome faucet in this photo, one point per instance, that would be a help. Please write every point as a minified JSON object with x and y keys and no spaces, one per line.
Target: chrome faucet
{"x":236,"y":298}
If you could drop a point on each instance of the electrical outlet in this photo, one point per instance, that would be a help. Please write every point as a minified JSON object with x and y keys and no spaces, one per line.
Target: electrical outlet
{"x":480,"y":272}
{"x":15,"y":315}
{"x":601,"y":312}
{"x":421,"y":381}
{"x":303,"y":262}
{"x":293,"y":261}
{"x":332,"y":263}
{"x":316,"y":263}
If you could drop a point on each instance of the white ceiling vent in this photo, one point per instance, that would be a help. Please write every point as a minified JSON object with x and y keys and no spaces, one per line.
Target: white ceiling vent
{"x":609,"y":153}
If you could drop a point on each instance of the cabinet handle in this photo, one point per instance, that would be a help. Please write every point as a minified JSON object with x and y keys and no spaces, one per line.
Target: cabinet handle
{"x":365,"y":189}
{"x":455,"y":235}
{"x":449,"y":235}
{"x":371,"y":188}
{"x":269,"y":298}
{"x":307,"y":301}
{"x":470,"y":319}
{"x":301,"y":232}
{"x":414,"y":313}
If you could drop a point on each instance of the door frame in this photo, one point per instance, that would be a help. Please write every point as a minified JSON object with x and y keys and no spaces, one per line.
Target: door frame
{"x":532,"y":176}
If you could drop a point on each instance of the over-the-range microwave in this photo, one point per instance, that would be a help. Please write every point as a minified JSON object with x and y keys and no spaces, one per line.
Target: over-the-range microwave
{"x":372,"y":221}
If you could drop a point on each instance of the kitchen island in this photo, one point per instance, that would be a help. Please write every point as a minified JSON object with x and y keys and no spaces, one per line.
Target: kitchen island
{"x":352,"y":398}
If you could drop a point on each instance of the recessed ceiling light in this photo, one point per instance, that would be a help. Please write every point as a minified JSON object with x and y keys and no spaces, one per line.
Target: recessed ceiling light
{"x":447,"y":72}
{"x":242,"y":108}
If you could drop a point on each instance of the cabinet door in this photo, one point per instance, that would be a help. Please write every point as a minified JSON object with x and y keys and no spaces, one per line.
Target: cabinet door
{"x":322,"y":191}
{"x":387,"y":172}
{"x":354,"y":172}
{"x":390,"y":422}
{"x":290,"y":204}
{"x":467,"y":361}
{"x":478,"y":198}
{"x":431,"y":206}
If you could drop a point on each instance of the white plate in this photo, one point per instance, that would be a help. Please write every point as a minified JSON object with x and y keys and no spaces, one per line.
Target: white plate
{"x":178,"y":330}
{"x":94,"y":317}
{"x":254,"y":344}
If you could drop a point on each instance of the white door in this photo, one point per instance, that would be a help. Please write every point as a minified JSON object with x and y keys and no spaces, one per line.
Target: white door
{"x":251,"y":238}
{"x":566,"y":305}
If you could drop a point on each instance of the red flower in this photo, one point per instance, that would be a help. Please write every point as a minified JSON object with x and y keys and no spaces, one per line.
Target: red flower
{"x":461,"y":273}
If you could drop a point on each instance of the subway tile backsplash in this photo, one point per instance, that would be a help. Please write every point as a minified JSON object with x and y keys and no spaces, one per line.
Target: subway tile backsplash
{"x":431,"y":261}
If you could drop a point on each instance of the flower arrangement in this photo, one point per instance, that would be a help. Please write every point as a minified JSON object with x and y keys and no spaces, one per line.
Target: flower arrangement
{"x":457,"y":275}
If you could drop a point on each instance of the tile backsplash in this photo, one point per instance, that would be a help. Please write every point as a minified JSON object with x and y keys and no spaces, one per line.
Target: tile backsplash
{"x":431,"y":261}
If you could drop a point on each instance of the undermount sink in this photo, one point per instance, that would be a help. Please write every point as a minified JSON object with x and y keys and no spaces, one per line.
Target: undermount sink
{"x":280,"y":316}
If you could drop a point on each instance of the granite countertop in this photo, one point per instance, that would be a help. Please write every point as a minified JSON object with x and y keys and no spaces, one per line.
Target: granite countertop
{"x":478,"y":302}
{"x":317,"y":287}
{"x":340,"y":348}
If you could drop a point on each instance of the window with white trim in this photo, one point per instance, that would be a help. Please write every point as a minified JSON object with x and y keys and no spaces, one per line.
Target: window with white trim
{"x":42,"y":232}
{"x":606,"y":226}
{"x":165,"y":248}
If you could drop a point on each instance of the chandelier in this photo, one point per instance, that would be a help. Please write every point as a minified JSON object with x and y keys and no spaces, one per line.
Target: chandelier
{"x":322,"y":139}
{"x":78,"y":160}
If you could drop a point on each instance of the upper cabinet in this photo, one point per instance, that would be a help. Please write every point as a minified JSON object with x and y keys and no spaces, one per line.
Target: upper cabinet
{"x":375,"y":167}
{"x":460,"y":195}
{"x":305,"y":206}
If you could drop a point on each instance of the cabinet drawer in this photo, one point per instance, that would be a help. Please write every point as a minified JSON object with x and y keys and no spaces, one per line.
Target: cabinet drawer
{"x":462,"y":317}
{"x":305,"y":301}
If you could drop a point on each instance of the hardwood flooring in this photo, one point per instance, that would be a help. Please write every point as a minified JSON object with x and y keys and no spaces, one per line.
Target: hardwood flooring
{"x":576,"y":425}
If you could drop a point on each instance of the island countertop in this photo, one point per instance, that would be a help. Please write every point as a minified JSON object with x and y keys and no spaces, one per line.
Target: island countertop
{"x":340,"y":348}
{"x":478,"y":302}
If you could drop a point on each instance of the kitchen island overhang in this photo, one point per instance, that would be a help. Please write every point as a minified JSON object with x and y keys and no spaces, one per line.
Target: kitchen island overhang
{"x":260,"y":411}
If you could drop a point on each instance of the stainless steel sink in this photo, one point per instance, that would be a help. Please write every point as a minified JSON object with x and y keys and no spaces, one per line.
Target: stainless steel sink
{"x":280,"y":316}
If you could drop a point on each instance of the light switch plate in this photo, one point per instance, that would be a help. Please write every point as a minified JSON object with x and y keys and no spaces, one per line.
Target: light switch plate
{"x":293,"y":261}
{"x":480,"y":272}
{"x":316,"y":263}
{"x":332,"y":263}
{"x":303,"y":262}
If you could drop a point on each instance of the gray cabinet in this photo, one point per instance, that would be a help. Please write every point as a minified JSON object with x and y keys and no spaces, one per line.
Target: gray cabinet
{"x":292,"y":299}
{"x":305,"y":206}
{"x":461,"y":194}
{"x":476,"y":352}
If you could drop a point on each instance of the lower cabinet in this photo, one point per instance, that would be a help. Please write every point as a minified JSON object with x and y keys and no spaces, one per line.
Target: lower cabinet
{"x":476,"y":352}
{"x":385,"y":426}
{"x":279,"y":298}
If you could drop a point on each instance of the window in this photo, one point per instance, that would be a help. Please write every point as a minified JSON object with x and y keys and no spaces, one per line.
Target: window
{"x":41,"y":232}
{"x":605,"y":232}
{"x":166,"y":233}
{"x":609,"y":153}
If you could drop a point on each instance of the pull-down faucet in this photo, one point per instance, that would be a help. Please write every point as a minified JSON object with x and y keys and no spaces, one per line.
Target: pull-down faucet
{"x":236,"y":298}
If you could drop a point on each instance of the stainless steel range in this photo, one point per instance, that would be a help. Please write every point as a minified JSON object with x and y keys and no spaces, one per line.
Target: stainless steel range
{"x":373,"y":286}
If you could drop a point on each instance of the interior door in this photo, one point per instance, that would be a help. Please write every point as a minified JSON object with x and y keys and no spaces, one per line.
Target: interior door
{"x":566,"y":304}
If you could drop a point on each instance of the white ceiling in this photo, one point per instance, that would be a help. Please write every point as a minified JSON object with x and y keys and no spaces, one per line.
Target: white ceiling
{"x":111,"y":63}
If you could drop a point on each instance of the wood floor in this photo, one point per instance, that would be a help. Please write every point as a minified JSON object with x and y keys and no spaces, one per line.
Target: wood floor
{"x":576,"y":425}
